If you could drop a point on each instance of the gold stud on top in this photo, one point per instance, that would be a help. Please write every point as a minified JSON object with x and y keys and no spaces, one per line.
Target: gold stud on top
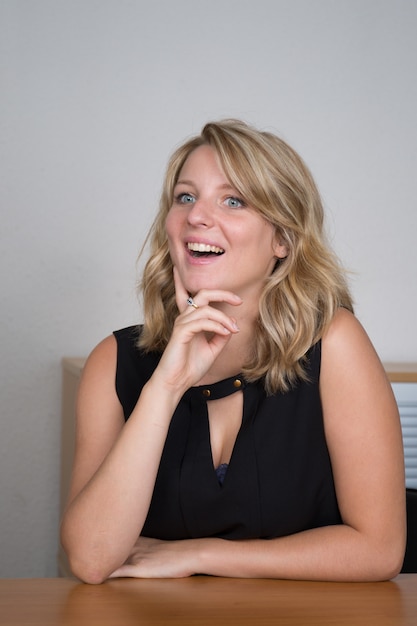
{"x":237,"y":383}
{"x":206,"y":393}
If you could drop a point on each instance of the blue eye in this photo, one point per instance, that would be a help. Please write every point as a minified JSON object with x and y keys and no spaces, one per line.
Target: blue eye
{"x":185,"y":198}
{"x":234,"y":203}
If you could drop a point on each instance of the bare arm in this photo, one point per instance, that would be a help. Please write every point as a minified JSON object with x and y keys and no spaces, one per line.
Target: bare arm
{"x":364,"y":439}
{"x":114,"y":468}
{"x":116,"y":464}
{"x":365,"y":443}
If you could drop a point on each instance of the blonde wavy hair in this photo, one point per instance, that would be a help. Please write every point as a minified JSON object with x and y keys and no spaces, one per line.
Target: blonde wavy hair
{"x":305,"y":289}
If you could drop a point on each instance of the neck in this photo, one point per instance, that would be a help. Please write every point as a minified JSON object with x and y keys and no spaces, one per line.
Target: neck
{"x":236,"y":352}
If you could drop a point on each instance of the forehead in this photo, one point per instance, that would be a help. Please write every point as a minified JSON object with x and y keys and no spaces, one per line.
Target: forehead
{"x":203,"y":162}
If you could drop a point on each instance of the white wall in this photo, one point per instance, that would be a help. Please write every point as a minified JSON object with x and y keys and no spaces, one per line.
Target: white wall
{"x":94,"y":95}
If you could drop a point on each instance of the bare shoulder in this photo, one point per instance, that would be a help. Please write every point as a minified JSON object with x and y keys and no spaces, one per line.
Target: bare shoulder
{"x":103,"y":357}
{"x":354,"y":387}
{"x":353,"y":383}
{"x":97,"y":393}
{"x":344,"y":327}
{"x":346,"y":348}
{"x":363,"y":433}
{"x":99,"y":415}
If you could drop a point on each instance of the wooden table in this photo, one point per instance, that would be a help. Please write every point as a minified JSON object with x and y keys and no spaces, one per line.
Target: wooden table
{"x":206,"y":601}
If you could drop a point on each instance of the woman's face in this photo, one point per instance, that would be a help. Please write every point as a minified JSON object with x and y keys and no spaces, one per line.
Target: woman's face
{"x":216,"y":241}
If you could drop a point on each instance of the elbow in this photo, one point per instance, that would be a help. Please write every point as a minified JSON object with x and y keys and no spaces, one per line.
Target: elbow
{"x":395,"y":562}
{"x":396,"y":553}
{"x":85,"y":566}
{"x":389,"y":561}
{"x":90,"y":576}
{"x":87,"y":571}
{"x":387,"y":570}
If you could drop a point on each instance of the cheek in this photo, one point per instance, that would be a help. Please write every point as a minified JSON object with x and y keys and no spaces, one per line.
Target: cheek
{"x":168,"y":223}
{"x":171,"y":228}
{"x":263,"y":236}
{"x":174,"y":221}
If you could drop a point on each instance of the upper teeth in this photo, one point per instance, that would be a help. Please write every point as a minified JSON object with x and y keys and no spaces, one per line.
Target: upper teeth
{"x":203,"y":247}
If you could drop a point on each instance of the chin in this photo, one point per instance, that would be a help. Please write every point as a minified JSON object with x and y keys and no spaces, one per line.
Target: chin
{"x":194,"y":284}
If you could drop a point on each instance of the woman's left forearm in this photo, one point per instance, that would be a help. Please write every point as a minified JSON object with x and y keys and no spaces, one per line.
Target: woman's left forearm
{"x":337,"y":553}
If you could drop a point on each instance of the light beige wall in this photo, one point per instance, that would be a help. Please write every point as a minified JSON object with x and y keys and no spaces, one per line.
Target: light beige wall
{"x":94,"y":95}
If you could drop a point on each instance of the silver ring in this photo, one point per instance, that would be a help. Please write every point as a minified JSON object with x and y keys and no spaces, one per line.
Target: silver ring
{"x":191,"y":302}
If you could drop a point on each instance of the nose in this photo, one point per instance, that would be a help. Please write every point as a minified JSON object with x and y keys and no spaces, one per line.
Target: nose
{"x":201,"y":213}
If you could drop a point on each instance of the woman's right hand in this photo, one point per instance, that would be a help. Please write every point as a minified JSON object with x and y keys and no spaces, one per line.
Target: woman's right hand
{"x":198,"y":337}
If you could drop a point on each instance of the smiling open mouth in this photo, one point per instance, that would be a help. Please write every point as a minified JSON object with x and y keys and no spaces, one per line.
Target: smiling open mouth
{"x":202,"y":249}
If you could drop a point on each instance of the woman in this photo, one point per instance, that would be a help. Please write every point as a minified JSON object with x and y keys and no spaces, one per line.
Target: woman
{"x":248,"y":428}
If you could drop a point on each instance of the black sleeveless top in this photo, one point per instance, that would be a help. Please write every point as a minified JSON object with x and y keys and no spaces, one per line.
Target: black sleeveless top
{"x":279,"y":480}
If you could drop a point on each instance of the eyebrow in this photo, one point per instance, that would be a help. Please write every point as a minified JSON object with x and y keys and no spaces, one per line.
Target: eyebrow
{"x":184,"y":182}
{"x":190,"y":182}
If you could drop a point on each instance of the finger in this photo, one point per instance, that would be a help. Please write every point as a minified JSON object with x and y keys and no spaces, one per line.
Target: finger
{"x":204,"y":296}
{"x":181,"y":294}
{"x":125,"y":571}
{"x":208,"y":296}
{"x":206,"y":318}
{"x":222,"y":327}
